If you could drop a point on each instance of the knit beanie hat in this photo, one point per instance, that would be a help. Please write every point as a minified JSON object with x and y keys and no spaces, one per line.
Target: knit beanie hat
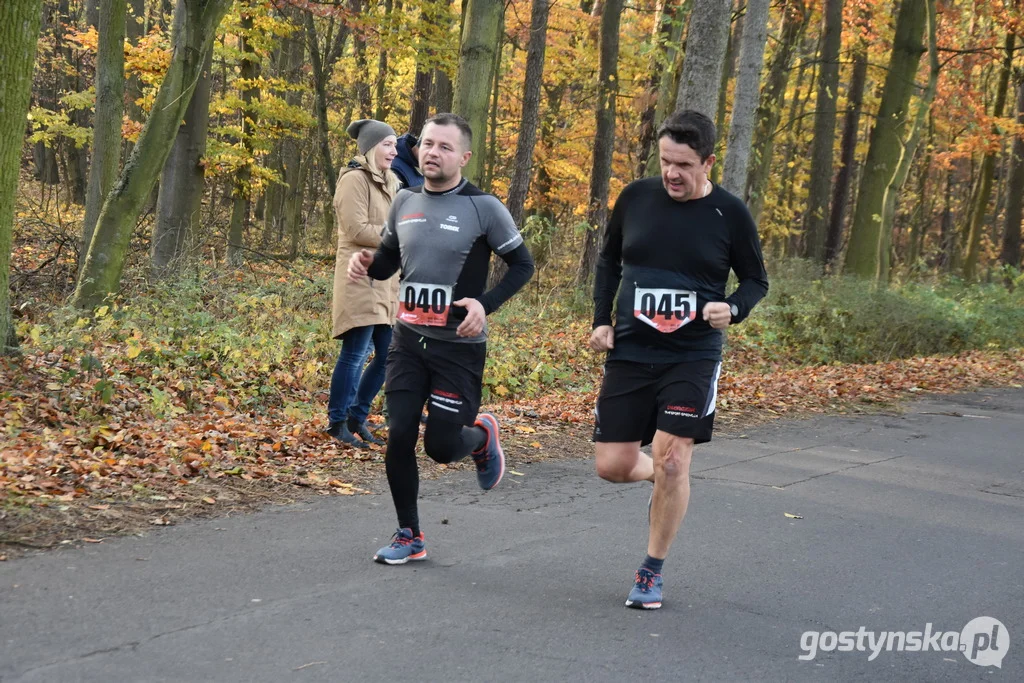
{"x":368,"y":132}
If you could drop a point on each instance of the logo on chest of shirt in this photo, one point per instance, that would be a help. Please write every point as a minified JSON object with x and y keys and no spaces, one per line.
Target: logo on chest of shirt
{"x":412,"y":218}
{"x":448,"y":226}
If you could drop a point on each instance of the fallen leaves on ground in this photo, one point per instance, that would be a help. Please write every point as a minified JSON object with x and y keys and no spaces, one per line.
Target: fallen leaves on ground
{"x":53,"y":455}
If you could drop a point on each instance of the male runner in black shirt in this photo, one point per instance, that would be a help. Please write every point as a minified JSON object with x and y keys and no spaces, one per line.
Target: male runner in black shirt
{"x":670,"y":243}
{"x":441,"y":235}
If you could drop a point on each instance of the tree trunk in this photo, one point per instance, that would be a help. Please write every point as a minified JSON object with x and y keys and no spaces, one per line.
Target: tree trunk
{"x":75,"y":157}
{"x":988,"y":165}
{"x":322,"y":65}
{"x":548,"y":140}
{"x":45,"y":94}
{"x":732,"y":49}
{"x":745,"y":100}
{"x":522,"y":167}
{"x":604,"y":138}
{"x":661,"y":86}
{"x":706,"y":38}
{"x":420,"y":110}
{"x":242,"y":195}
{"x":492,"y":128}
{"x":362,"y":77}
{"x":19,"y":29}
{"x":668,"y":85}
{"x":287,"y":153}
{"x":769,"y":110}
{"x":106,"y":140}
{"x":1010,"y":252}
{"x":382,"y":106}
{"x":293,"y":201}
{"x":478,"y":53}
{"x":422,"y":81}
{"x":816,"y":216}
{"x":180,"y":199}
{"x":869,"y":238}
{"x":195,"y":25}
{"x":848,"y":150}
{"x":913,"y":136}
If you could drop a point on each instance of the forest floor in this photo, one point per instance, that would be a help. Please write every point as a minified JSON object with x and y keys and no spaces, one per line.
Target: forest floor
{"x":64,"y":481}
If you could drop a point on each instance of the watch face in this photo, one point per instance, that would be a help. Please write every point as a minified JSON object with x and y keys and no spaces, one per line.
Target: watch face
{"x":734,"y":310}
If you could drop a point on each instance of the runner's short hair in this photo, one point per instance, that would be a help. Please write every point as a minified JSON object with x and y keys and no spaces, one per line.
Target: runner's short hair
{"x":449,"y":119}
{"x":689,"y":127}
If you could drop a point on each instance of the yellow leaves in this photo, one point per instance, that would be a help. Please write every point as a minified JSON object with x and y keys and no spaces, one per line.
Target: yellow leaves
{"x":134,"y":349}
{"x":792,"y":516}
{"x":501,"y":390}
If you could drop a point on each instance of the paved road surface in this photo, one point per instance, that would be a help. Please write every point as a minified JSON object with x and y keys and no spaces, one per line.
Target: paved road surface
{"x":906,"y":521}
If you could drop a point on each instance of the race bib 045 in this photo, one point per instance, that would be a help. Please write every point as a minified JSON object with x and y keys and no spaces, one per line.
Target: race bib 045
{"x":421,"y":304}
{"x":666,"y":310}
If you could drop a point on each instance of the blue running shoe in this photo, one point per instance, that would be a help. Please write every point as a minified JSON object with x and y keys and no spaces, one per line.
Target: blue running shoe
{"x":646,"y":593}
{"x":490,"y":460}
{"x":404,"y":547}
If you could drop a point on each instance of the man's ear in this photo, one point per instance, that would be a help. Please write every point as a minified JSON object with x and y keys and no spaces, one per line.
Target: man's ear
{"x":465,"y":158}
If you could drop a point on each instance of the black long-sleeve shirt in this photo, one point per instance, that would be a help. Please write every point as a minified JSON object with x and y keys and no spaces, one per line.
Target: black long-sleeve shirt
{"x":442,"y":241}
{"x":671,"y":258}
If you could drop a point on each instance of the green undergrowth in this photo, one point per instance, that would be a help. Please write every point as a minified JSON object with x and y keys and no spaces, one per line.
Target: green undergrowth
{"x":259,"y":340}
{"x":806,"y":320}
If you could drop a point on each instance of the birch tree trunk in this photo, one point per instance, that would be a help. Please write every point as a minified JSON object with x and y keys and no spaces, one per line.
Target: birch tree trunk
{"x":747,"y":95}
{"x":195,"y":25}
{"x":19,"y":29}
{"x":706,"y":39}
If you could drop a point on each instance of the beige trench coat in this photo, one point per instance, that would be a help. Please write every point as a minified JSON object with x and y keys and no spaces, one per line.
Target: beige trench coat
{"x":361,"y":204}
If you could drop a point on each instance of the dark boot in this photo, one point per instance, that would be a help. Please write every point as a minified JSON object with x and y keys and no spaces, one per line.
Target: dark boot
{"x":360,"y":430}
{"x":340,"y":431}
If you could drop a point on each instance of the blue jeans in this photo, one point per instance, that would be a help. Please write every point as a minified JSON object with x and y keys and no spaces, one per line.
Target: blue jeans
{"x":351,"y":395}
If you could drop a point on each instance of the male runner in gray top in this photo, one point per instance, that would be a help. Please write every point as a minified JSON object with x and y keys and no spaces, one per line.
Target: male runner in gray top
{"x":441,"y":236}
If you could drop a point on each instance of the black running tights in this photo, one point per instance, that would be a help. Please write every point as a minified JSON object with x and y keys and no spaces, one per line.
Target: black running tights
{"x":444,"y":441}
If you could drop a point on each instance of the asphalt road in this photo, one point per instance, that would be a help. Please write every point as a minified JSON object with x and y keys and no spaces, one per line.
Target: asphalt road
{"x":906,"y":523}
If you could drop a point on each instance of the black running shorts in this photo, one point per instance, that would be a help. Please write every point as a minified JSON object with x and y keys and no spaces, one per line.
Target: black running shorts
{"x":448,"y":374}
{"x":637,"y":399}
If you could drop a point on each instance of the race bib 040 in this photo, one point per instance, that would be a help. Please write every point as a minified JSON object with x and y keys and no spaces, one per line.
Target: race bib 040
{"x":666,"y":310}
{"x":421,"y":304}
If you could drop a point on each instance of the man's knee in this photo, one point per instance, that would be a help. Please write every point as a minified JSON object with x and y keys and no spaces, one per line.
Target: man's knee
{"x":614,"y":463}
{"x":442,"y":440}
{"x":672,"y":456}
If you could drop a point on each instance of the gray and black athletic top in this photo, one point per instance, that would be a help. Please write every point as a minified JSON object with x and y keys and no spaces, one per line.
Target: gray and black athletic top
{"x":672,"y":258}
{"x":442,"y":241}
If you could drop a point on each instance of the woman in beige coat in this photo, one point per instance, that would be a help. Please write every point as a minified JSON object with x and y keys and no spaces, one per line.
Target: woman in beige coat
{"x":363,"y":312}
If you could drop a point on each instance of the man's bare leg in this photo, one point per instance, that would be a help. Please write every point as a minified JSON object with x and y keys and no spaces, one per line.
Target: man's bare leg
{"x":623,"y":462}
{"x":672,"y":455}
